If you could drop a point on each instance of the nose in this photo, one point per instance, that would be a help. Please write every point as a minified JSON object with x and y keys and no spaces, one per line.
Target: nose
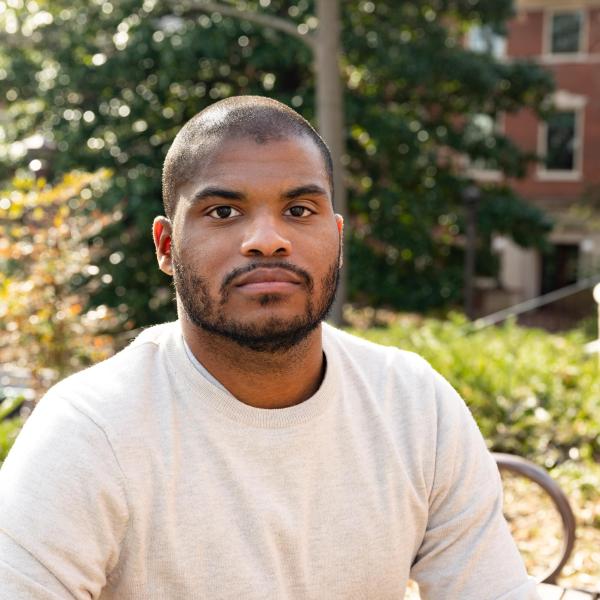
{"x":264,"y":237}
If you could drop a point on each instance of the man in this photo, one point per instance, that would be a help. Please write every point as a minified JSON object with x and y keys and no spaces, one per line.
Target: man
{"x":249,"y":451}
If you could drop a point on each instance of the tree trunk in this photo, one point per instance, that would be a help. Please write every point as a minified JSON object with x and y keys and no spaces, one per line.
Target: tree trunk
{"x":330,"y":115}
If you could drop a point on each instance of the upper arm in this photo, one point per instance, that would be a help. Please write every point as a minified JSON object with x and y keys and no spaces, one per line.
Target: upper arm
{"x":24,"y":576}
{"x":467,"y":551}
{"x":63,"y":509}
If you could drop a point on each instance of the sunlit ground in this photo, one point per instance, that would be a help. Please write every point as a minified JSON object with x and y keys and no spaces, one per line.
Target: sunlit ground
{"x":583,"y":569}
{"x":535,"y":524}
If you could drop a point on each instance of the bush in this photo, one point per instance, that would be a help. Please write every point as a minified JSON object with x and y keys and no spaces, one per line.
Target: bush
{"x":48,"y":272}
{"x":10,"y":422}
{"x":531,"y":392}
{"x":9,"y":429}
{"x":47,"y":276}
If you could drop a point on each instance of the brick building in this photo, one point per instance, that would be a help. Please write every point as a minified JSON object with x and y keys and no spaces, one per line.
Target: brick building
{"x":564,"y":37}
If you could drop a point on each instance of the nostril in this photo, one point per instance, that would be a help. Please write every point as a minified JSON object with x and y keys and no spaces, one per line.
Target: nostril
{"x":265,"y":241}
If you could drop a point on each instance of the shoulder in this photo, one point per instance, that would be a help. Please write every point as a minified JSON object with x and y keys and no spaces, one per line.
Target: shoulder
{"x":129,"y":360}
{"x":115,"y":387}
{"x":399,"y":378}
{"x":401,"y":396}
{"x":362,"y":354}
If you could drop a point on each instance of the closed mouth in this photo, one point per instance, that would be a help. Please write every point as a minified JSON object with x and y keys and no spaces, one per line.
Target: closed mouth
{"x":268,"y":275}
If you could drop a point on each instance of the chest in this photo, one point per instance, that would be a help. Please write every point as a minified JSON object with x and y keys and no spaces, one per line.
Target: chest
{"x":277,"y":516}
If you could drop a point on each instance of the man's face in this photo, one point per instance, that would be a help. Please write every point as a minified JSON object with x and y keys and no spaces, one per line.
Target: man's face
{"x":256,"y":245}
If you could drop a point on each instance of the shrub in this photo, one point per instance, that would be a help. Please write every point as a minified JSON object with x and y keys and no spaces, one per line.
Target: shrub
{"x":10,"y":422}
{"x":48,"y":274}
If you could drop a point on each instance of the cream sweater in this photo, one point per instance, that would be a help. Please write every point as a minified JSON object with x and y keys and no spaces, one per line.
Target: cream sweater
{"x":139,"y":479}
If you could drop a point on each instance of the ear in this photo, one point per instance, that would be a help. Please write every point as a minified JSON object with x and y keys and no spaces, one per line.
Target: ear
{"x":339,"y":220}
{"x":162,"y":231}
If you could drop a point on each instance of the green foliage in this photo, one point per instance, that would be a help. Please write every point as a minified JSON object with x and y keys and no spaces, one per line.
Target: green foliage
{"x":532,"y":393}
{"x":10,"y":405}
{"x":48,"y":272}
{"x":108,"y":84}
{"x":10,"y":423}
{"x":9,"y":429}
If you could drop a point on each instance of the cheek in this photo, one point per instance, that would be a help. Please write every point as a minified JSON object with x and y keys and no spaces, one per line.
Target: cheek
{"x":196,"y":250}
{"x":330,"y":243}
{"x":324,"y":254}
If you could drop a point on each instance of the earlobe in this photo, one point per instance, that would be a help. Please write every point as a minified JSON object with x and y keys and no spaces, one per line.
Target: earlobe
{"x":340,"y":225}
{"x":161,"y":233}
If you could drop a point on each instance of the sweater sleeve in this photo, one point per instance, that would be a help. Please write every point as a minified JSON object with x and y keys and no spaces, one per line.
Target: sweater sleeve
{"x":467,"y":551}
{"x":63,"y":509}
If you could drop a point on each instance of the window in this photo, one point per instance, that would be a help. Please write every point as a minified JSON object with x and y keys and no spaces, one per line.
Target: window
{"x":484,"y":39}
{"x":561,"y":142}
{"x":560,"y":139}
{"x":566,"y":32}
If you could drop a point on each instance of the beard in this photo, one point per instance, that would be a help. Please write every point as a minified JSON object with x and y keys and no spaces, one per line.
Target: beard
{"x":273,"y":334}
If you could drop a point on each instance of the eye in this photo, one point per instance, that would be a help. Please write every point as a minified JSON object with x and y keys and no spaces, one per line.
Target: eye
{"x":224,"y":212}
{"x":299,"y":211}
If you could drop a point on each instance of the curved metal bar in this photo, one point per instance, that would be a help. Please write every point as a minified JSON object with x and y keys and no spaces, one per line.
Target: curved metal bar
{"x":525,"y":468}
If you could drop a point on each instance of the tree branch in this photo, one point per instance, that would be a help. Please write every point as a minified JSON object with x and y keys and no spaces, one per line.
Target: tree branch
{"x":271,"y":21}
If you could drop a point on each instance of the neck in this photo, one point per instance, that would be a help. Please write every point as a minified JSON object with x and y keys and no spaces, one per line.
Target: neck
{"x":260,"y":379}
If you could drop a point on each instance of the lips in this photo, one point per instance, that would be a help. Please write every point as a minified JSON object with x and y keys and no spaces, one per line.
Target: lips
{"x":268,"y":275}
{"x":268,"y":281}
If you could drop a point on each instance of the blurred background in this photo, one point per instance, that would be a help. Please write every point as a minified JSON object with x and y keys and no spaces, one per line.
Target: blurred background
{"x":466,"y":139}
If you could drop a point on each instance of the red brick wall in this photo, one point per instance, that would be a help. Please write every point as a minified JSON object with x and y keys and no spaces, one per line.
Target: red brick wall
{"x":525,"y":35}
{"x":581,"y":78}
{"x":594,"y":36}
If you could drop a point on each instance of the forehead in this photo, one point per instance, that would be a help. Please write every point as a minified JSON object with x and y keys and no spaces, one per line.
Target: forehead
{"x":245,"y":164}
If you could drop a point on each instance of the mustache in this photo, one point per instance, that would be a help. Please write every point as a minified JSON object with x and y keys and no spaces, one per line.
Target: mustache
{"x":280,"y":264}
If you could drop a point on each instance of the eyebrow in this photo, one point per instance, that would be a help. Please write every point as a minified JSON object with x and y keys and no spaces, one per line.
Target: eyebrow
{"x":225,"y":194}
{"x":217,"y":192}
{"x":305,"y":190}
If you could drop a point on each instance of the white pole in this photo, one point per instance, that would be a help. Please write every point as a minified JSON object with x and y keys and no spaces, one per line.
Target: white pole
{"x":596,"y":294}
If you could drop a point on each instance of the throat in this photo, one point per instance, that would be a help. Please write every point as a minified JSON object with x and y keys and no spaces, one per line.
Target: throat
{"x":261,"y":379}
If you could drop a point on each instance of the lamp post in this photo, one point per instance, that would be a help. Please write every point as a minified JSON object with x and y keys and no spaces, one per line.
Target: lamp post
{"x":471,"y":196}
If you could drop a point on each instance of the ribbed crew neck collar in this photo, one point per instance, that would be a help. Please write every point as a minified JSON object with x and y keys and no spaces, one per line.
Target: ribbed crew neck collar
{"x":225,"y":403}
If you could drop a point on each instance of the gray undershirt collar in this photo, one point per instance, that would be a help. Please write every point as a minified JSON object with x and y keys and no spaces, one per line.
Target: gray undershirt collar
{"x":202,"y":369}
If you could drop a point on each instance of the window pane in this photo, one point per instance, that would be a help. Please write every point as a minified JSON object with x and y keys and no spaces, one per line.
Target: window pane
{"x":566,"y":32}
{"x":561,"y":142}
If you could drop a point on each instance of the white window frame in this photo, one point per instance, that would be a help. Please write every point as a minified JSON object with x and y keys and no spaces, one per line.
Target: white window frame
{"x":581,"y":54}
{"x":564,"y":101}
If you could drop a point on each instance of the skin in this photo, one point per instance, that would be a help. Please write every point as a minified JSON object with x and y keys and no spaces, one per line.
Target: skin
{"x":261,"y":183}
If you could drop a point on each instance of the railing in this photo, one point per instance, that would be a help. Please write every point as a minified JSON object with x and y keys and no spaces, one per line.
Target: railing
{"x":539,"y":301}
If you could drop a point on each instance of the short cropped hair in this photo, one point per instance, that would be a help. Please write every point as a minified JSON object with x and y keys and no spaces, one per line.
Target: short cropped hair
{"x":254,"y":117}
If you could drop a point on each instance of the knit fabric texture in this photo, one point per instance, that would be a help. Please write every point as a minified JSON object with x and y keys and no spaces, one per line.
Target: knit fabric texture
{"x":138,"y":479}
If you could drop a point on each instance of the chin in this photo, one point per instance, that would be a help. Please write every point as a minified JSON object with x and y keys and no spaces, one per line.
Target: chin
{"x":275,"y":304}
